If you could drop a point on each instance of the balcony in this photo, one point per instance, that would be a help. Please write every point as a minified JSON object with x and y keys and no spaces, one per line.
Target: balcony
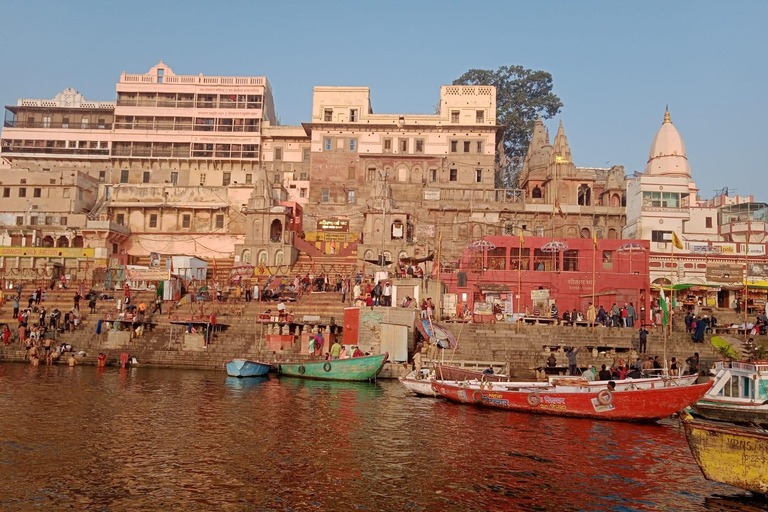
{"x":57,"y":151}
{"x":58,"y":126}
{"x":479,"y":196}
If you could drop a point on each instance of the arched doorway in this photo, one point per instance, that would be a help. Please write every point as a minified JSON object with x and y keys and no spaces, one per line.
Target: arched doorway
{"x":47,"y":241}
{"x":615,"y":200}
{"x":77,"y":241}
{"x":585,"y":195}
{"x":612,"y":233}
{"x":276,"y":231}
{"x":536,"y":193}
{"x":62,"y":242}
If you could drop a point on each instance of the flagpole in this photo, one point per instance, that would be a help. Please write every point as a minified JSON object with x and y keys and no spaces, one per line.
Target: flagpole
{"x":594,"y":269}
{"x":746,"y":280}
{"x":519,"y":278}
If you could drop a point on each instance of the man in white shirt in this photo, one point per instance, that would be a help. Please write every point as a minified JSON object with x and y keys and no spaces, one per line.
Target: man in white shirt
{"x":256,"y":295}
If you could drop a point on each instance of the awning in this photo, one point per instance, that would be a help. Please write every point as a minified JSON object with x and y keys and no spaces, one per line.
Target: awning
{"x":416,"y":261}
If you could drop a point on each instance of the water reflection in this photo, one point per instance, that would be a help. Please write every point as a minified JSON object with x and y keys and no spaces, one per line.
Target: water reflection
{"x":155,"y":439}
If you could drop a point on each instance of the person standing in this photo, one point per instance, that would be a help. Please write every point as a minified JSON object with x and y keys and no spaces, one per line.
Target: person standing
{"x":573,"y":360}
{"x":76,"y":300}
{"x":615,"y":315}
{"x":387,"y":293}
{"x":631,"y":315}
{"x":417,"y":360}
{"x":256,"y":295}
{"x":643,"y":340}
{"x":693,"y":364}
{"x":624,"y":315}
{"x":335,"y":350}
{"x":591,"y":314}
{"x":16,"y":306}
{"x":158,"y":305}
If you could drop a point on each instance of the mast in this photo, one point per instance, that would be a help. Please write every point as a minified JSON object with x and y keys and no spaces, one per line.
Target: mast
{"x":438,"y":302}
{"x":746,"y":279}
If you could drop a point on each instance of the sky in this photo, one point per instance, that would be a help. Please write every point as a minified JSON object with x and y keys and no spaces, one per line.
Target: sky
{"x":615,"y":65}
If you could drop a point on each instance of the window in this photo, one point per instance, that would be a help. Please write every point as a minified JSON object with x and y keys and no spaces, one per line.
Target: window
{"x":37,"y":192}
{"x":121,"y":219}
{"x":370,"y":174}
{"x":433,"y":175}
{"x":403,"y":145}
{"x":278,"y":154}
{"x":571,"y":261}
{"x":351,"y":172}
{"x":478,"y":175}
{"x":186,"y":220}
{"x":174,"y":178}
{"x":353,"y":144}
{"x":466,"y":146}
{"x":454,"y":175}
{"x":661,"y":199}
{"x":63,"y":221}
{"x":6,"y":192}
{"x":419,"y":148}
{"x":202,"y":179}
{"x":454,"y":146}
{"x":22,"y":192}
{"x":276,"y":178}
{"x":350,"y":196}
{"x":124,"y":176}
{"x":326,"y":195}
{"x":303,"y":176}
{"x":479,"y":116}
{"x":48,"y":220}
{"x":248,"y":178}
{"x":387,"y":145}
{"x":305,"y":154}
{"x":328,"y":114}
{"x":102,"y":176}
{"x":607,"y":260}
{"x":661,"y":236}
{"x":46,"y":121}
{"x":302,"y":192}
{"x":19,"y":221}
{"x":226,"y":179}
{"x":479,"y":146}
{"x":33,"y":220}
{"x":65,"y":122}
{"x":145,"y":177}
{"x":454,"y":116}
{"x":353,"y":115}
{"x":153,"y":220}
{"x":84,"y":123}
{"x":708,"y":221}
{"x":219,"y":221}
{"x":327,"y":144}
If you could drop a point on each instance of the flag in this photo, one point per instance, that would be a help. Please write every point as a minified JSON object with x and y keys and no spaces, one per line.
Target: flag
{"x":522,"y":240}
{"x":171,"y":258}
{"x":594,"y":239}
{"x":558,"y":209}
{"x":663,"y":303}
{"x":676,"y":241}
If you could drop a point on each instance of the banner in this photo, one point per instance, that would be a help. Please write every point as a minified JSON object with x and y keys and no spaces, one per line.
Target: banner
{"x":338,"y":225}
{"x":148,"y":274}
{"x":47,"y":252}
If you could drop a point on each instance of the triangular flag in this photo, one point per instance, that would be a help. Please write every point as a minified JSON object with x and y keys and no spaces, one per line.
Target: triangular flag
{"x":676,"y":241}
{"x":522,"y":240}
{"x":594,"y":239}
{"x":663,"y":304}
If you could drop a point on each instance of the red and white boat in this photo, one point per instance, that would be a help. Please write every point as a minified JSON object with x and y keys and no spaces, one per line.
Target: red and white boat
{"x":627,"y":405}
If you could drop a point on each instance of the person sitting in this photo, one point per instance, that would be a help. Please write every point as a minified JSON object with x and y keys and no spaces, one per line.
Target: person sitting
{"x":488,"y":371}
{"x":566,"y":318}
{"x":673,"y":369}
{"x":552,"y":360}
{"x":611,"y":386}
{"x":604,"y":374}
{"x":357,"y":352}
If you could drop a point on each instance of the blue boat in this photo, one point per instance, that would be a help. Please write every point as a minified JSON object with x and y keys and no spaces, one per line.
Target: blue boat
{"x":246,"y":368}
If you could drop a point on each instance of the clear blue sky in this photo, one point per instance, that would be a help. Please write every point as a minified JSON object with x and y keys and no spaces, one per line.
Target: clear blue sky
{"x":615,"y":64}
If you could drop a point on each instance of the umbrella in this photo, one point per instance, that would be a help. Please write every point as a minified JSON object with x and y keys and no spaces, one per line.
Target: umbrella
{"x":554,"y":246}
{"x":480,"y":245}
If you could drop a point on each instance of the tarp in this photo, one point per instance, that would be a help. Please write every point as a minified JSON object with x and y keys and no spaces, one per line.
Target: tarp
{"x":442,"y":335}
{"x":416,"y":261}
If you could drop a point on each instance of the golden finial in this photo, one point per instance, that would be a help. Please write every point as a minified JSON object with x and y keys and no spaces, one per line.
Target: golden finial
{"x":666,"y":116}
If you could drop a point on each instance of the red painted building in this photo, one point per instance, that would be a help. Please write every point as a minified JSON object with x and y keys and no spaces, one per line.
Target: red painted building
{"x":488,"y":272}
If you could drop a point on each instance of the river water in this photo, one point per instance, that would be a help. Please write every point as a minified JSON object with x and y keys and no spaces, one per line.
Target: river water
{"x":153,"y":439}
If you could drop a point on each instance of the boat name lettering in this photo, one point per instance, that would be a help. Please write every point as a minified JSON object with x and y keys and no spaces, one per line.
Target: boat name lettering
{"x":494,"y":395}
{"x":496,"y":401}
{"x":554,"y":407}
{"x":740,"y":444}
{"x":554,"y":400}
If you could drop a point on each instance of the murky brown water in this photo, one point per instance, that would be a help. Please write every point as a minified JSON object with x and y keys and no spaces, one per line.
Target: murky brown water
{"x":146,"y":439}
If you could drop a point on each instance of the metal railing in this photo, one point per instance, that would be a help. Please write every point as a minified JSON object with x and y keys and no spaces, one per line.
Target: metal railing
{"x":58,"y":125}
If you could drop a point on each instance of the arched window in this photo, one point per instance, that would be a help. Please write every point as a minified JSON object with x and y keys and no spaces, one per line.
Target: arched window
{"x":368,"y":255}
{"x":572,"y":232}
{"x":585,"y":195}
{"x":77,"y":241}
{"x":463,"y":231}
{"x":276,"y":231}
{"x":477,"y":231}
{"x":615,"y":200}
{"x":536,"y":193}
{"x":402,"y":174}
{"x":62,"y":242}
{"x":279,"y":258}
{"x":46,"y":242}
{"x":612,"y":233}
{"x":263,"y":258}
{"x":246,"y":257}
{"x":586,"y":233}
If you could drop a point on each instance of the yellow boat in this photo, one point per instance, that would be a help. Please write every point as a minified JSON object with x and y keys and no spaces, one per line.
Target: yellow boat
{"x":729,"y":454}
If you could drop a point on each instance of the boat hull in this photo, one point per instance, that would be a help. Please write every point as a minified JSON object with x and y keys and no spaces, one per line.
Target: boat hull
{"x":447,"y":372}
{"x":635,"y":405}
{"x":729,"y":454}
{"x":422,"y":386}
{"x":352,"y":369}
{"x":721,"y":410}
{"x":246,"y":368}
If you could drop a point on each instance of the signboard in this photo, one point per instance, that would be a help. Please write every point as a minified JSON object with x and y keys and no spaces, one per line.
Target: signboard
{"x":432,"y":194}
{"x":47,"y":252}
{"x":712,"y":249}
{"x":154,"y":259}
{"x":337,"y":225}
{"x":724,"y":272}
{"x":148,"y":274}
{"x":758,"y":270}
{"x":756,"y":249}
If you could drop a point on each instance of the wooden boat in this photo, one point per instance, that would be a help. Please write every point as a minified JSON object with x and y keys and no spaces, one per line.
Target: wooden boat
{"x":625,"y":384}
{"x":421,"y":386}
{"x":729,"y":454}
{"x":634,"y":405}
{"x":354,"y":368}
{"x":458,"y":373}
{"x":739,"y":395}
{"x":246,"y":368}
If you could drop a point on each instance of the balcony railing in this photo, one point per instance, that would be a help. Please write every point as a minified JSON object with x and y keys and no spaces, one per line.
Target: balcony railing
{"x":56,"y":151}
{"x":474,"y":195}
{"x":134,"y":102}
{"x":63,"y":126}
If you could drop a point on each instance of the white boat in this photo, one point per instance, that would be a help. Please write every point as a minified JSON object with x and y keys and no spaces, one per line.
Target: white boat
{"x":421,"y":386}
{"x":739,"y":395}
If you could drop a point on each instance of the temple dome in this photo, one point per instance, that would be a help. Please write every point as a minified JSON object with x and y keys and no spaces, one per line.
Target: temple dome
{"x":667,"y":156}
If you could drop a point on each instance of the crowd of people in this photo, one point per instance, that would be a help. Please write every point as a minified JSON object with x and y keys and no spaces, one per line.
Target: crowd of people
{"x":620,"y":370}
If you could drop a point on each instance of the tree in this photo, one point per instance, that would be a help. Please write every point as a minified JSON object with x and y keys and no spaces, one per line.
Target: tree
{"x":521,"y":96}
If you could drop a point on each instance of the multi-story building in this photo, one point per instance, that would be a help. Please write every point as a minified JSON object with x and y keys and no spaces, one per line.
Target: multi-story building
{"x":718,"y":237}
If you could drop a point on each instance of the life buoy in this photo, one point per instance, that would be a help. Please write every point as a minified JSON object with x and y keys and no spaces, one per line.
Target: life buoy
{"x":605,"y":397}
{"x":327,"y":366}
{"x":477,"y":397}
{"x":302,"y":369}
{"x":534,"y":400}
